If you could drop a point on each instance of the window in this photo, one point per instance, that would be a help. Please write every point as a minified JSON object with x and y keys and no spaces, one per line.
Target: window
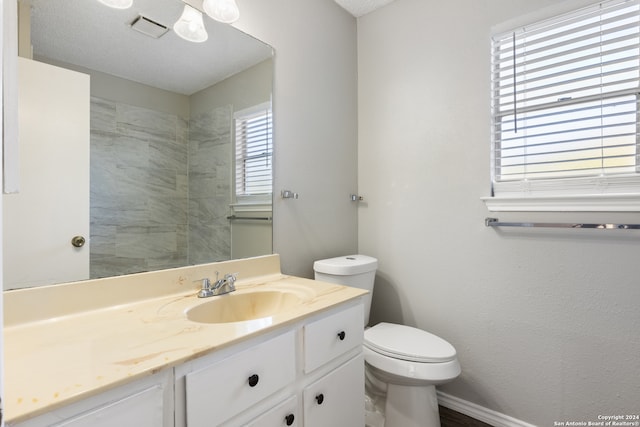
{"x":253,"y":156}
{"x":565,"y":104}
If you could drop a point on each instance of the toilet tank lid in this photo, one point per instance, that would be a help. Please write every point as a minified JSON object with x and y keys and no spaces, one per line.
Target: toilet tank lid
{"x":346,"y":265}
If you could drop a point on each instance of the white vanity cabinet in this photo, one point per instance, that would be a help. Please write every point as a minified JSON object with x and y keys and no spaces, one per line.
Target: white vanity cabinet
{"x":310,"y":373}
{"x":144,"y":403}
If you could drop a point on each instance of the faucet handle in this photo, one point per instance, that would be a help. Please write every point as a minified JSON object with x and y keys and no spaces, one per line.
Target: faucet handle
{"x":230,"y":279}
{"x":206,"y":282}
{"x":206,"y":290}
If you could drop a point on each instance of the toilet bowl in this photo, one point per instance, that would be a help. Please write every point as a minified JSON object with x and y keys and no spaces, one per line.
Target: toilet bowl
{"x":403,"y":364}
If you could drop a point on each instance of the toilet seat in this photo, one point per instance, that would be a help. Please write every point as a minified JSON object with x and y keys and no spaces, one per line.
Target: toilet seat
{"x":408,"y":343}
{"x":399,"y":354}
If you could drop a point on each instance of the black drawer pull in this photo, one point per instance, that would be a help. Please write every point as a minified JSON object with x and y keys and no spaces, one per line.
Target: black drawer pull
{"x":253,"y":380}
{"x":341,"y":335}
{"x":289,"y":419}
{"x":320,"y":398}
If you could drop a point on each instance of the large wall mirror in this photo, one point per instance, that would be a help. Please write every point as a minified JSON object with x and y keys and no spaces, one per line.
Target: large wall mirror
{"x":161,"y":187}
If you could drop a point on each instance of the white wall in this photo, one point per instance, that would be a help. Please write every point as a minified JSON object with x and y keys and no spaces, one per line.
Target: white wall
{"x":545,"y":322}
{"x":245,"y":89}
{"x":315,"y":125}
{"x":128,"y":92}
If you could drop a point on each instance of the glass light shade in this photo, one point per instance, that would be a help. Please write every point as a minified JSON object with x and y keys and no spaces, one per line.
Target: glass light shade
{"x":117,"y":4}
{"x":190,"y":26}
{"x":222,"y":10}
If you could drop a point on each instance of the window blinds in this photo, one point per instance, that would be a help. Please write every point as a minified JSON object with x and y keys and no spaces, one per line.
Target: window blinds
{"x":254,"y":150}
{"x":565,"y":96}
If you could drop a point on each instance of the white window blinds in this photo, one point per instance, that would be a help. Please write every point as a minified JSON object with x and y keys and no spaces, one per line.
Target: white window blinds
{"x":565,"y":98}
{"x":254,"y":150}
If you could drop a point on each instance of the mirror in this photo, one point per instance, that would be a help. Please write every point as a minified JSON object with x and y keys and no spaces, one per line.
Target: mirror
{"x":161,"y":135}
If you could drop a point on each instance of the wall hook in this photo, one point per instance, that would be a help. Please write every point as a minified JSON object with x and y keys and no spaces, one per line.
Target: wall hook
{"x":288,"y":194}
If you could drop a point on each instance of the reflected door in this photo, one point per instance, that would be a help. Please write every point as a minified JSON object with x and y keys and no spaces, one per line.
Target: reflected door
{"x":52,"y":206}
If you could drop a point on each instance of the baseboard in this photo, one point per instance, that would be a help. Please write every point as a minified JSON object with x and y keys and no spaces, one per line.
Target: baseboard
{"x":478,"y":412}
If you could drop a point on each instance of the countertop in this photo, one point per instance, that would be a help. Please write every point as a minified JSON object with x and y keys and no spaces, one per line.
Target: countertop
{"x":69,"y":354}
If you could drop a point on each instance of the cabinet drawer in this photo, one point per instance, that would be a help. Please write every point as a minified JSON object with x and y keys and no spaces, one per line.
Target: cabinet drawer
{"x":337,"y":399}
{"x":332,"y":336}
{"x":283,"y":415}
{"x":225,"y":388}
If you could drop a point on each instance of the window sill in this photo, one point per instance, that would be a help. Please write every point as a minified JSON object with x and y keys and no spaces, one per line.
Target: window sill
{"x":584,"y":203}
{"x":251,"y":207}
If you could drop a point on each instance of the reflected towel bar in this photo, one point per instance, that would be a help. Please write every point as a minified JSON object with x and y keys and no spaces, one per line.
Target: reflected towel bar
{"x":494,"y":222}
{"x":249,"y":218}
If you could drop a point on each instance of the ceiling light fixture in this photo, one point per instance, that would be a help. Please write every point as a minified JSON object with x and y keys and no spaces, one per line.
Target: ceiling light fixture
{"x":190,"y":26}
{"x":117,"y":4}
{"x":225,"y":11}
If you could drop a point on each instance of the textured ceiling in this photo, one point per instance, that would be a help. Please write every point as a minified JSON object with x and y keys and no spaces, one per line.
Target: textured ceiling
{"x":91,"y":35}
{"x":361,"y":7}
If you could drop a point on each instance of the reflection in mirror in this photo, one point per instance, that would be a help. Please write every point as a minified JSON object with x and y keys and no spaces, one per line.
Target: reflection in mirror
{"x":160,"y":141}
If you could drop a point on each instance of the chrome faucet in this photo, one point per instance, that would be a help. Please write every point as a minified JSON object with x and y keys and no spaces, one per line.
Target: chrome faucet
{"x":219,"y":287}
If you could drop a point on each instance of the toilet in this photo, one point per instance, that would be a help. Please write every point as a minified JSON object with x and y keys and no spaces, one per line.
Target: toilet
{"x":402,"y":364}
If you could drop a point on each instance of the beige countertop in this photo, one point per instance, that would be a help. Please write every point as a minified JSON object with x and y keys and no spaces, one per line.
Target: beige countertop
{"x":59,"y":351}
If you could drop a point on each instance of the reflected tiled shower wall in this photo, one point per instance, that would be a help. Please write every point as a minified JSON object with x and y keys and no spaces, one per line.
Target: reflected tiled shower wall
{"x":140,"y":183}
{"x":210,"y":172}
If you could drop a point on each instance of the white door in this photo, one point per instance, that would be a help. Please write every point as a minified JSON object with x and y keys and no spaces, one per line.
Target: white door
{"x":52,"y":205}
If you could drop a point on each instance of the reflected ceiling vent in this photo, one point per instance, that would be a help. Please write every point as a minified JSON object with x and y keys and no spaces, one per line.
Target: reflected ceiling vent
{"x":149,"y":27}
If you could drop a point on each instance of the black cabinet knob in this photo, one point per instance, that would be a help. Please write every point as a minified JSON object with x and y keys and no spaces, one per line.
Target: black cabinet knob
{"x":341,"y":335}
{"x":253,"y":380}
{"x":320,"y":398}
{"x":289,"y":419}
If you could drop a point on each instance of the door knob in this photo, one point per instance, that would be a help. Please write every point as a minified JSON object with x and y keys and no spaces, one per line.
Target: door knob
{"x":78,"y":241}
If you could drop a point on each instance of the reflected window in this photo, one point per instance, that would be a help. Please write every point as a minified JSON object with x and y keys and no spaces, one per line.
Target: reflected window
{"x":253,"y":153}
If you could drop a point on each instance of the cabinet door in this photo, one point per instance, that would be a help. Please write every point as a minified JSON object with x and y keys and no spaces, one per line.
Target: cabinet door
{"x":337,"y":399}
{"x":143,"y":409}
{"x":147,"y":402}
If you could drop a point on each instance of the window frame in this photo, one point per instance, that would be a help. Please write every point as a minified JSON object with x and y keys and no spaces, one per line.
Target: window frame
{"x":591,"y":193}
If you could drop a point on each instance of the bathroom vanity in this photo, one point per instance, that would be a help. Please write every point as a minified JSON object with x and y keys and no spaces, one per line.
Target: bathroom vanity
{"x":128,"y":352}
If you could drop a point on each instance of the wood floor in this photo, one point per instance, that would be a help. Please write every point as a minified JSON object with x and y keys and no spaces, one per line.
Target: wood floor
{"x":451,"y":418}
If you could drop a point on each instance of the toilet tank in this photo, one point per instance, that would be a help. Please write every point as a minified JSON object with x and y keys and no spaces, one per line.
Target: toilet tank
{"x":358,"y":271}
